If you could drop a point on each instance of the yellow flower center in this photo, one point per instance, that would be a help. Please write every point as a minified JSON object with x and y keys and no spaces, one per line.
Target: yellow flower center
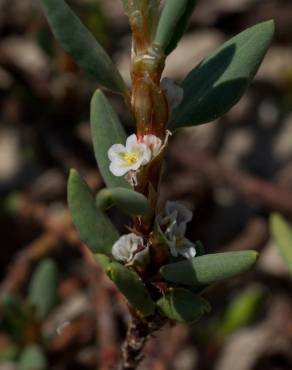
{"x":130,"y":157}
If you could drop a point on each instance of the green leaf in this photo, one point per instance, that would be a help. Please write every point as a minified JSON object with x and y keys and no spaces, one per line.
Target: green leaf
{"x":13,"y":316}
{"x":209,"y":268}
{"x":152,"y":16}
{"x":129,"y":201}
{"x":242,"y":311}
{"x":282,"y":233}
{"x":106,"y":130}
{"x":81,"y":45}
{"x":218,"y":82}
{"x":129,"y":283}
{"x":183,"y":306}
{"x":94,"y":227}
{"x":43,"y":287}
{"x":103,"y":261}
{"x":8,"y":353}
{"x":173,"y":23}
{"x":32,"y":358}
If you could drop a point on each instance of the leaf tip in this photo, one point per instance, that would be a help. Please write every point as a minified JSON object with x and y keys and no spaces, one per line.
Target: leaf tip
{"x":72,"y":173}
{"x":270,"y":24}
{"x":255,"y":255}
{"x":275,"y":218}
{"x":72,"y":179}
{"x":252,"y":256}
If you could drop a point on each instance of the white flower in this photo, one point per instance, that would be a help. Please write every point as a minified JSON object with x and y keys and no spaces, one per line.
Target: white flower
{"x":130,"y":157}
{"x":174,"y":92}
{"x":172,"y":226}
{"x":127,"y":249}
{"x":126,"y":160}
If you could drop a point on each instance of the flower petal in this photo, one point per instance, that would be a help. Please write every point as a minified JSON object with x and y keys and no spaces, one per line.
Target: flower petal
{"x":188,"y":252}
{"x":184,"y":215}
{"x":126,"y":246}
{"x":131,"y":141}
{"x":153,"y":143}
{"x":119,"y":169}
{"x":115,"y":151}
{"x":142,"y":258}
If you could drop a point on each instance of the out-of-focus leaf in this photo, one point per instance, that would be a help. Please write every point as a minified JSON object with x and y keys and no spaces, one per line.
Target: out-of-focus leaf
{"x":82,"y":46}
{"x":8,"y":353}
{"x":94,"y":227}
{"x":218,"y":82}
{"x":173,"y":23}
{"x":32,"y":358}
{"x":106,"y":130}
{"x":282,"y":233}
{"x":43,"y":287}
{"x":183,"y":306}
{"x":209,"y":268}
{"x":14,"y":316}
{"x":241,"y":312}
{"x":129,"y":201}
{"x":132,"y":287}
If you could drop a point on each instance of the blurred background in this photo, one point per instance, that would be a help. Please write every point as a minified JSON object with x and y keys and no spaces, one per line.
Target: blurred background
{"x":57,"y":310}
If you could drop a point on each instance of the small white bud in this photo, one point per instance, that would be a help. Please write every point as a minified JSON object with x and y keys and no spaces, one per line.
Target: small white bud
{"x":126,"y":249}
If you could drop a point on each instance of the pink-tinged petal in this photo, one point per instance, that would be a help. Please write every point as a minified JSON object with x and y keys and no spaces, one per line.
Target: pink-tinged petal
{"x":153,"y":143}
{"x":147,"y":156}
{"x":131,"y":142}
{"x":115,"y":151}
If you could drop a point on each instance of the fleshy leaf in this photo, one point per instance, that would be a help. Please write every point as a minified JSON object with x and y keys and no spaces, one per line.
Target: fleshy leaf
{"x":129,"y":201}
{"x":94,"y":227}
{"x":32,"y":358}
{"x":282,"y":233}
{"x":182,"y":305}
{"x":173,"y":23}
{"x":82,"y":46}
{"x":132,"y":287}
{"x":106,"y":130}
{"x":219,"y":81}
{"x":103,"y":261}
{"x":209,"y":268}
{"x":43,"y":288}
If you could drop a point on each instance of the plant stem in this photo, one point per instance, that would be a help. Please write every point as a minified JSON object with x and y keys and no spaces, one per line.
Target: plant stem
{"x":139,"y":331}
{"x":151,"y":111}
{"x":148,"y":101}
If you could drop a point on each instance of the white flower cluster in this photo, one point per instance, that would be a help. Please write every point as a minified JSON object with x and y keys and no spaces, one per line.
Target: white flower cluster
{"x":172,"y":225}
{"x":130,"y":250}
{"x":127,"y":159}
